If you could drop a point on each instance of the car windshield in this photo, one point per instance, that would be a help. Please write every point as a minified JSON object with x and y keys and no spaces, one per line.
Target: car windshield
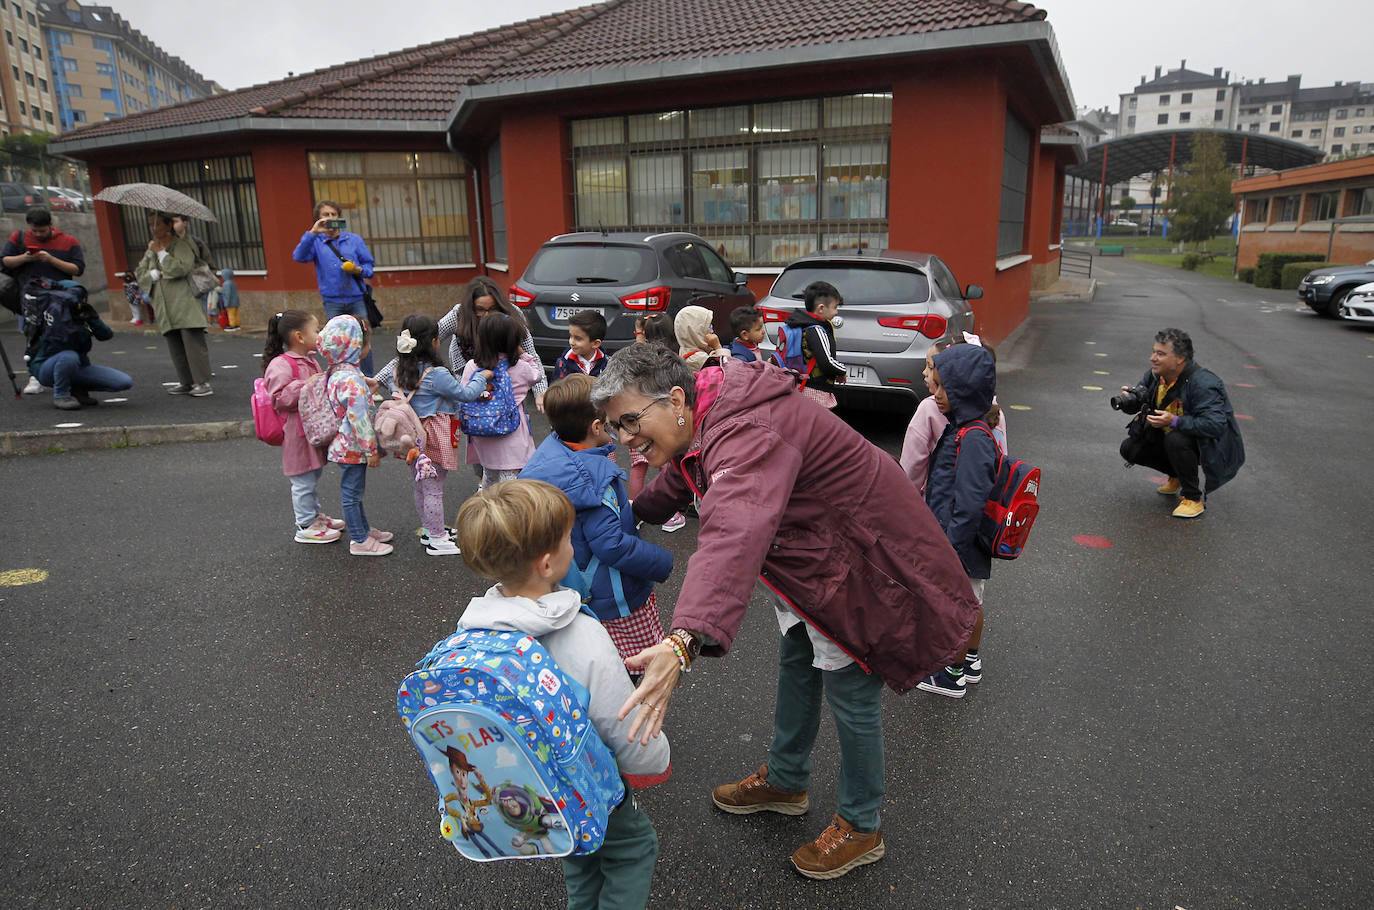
{"x":879,"y":283}
{"x":585,"y":264}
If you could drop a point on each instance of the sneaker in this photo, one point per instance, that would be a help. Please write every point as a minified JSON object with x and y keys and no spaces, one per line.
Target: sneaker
{"x":380,"y":536}
{"x":756,"y":794}
{"x":338,"y":524}
{"x":84,"y":397}
{"x":316,"y":533}
{"x":200,"y":390}
{"x":179,"y":390}
{"x":424,"y":534}
{"x":33,"y":387}
{"x":973,"y":667}
{"x":441,"y":546}
{"x":370,"y":547}
{"x":1171,"y":487}
{"x":838,"y":850}
{"x":1188,"y":508}
{"x":675,"y":523}
{"x":67,"y":403}
{"x":944,"y":683}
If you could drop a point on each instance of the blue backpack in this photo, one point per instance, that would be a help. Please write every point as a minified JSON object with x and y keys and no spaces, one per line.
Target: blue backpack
{"x":580,"y":580}
{"x":520,"y":769}
{"x":789,"y":352}
{"x":49,"y":309}
{"x":496,"y":415}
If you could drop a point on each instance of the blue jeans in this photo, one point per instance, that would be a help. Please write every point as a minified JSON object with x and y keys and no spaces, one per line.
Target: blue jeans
{"x":351,"y":308}
{"x":64,"y":372}
{"x":856,"y":701}
{"x":351,"y":486}
{"x":305,"y":501}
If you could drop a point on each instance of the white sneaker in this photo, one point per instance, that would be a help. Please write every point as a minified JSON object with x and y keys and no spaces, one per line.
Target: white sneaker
{"x":316,"y":533}
{"x":34,"y":386}
{"x":676,"y":523}
{"x":441,"y":546}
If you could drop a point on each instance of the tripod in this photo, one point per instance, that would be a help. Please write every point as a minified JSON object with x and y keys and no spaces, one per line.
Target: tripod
{"x":9,"y":370}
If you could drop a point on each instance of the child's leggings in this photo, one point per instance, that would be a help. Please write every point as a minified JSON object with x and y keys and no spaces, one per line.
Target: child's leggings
{"x":429,"y":500}
{"x":305,"y":500}
{"x":639,"y":472}
{"x":492,"y":475}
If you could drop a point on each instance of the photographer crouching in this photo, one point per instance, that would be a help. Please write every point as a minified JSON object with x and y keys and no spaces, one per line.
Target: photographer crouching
{"x":61,"y":343}
{"x":1183,"y":421}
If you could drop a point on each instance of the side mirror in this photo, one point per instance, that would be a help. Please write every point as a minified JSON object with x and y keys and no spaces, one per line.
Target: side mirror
{"x":740,"y":279}
{"x":973,"y":292}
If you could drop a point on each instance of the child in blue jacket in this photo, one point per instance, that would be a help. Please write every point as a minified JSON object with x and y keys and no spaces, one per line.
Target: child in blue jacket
{"x":612,"y":566}
{"x":963,"y":469}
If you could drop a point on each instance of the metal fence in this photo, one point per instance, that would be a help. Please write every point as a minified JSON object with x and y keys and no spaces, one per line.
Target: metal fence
{"x":1075,"y":263}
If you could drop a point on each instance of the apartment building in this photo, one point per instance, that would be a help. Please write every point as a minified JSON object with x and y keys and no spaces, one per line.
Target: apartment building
{"x":102,"y":68}
{"x":29,"y":105}
{"x":1178,"y":99}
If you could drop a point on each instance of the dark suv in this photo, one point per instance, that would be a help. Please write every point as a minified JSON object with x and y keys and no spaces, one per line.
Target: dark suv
{"x":624,"y":275}
{"x":1324,"y":289}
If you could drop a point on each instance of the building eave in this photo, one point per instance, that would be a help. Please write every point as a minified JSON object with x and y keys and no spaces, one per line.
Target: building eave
{"x":77,"y":147}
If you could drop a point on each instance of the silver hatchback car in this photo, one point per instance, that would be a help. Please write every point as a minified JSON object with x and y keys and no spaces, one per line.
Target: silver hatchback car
{"x":896,"y":304}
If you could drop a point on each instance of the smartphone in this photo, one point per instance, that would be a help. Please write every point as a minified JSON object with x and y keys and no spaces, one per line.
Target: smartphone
{"x":33,"y":250}
{"x":336,"y":224}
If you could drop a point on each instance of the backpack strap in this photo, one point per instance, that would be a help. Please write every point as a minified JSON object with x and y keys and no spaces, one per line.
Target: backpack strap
{"x":976,"y":425}
{"x":617,"y":585}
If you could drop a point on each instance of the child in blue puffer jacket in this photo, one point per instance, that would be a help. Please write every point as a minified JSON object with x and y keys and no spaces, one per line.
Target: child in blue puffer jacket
{"x":613,"y":568}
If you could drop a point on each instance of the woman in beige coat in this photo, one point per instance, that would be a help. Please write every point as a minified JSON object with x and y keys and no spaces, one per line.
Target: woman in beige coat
{"x":163,"y":276}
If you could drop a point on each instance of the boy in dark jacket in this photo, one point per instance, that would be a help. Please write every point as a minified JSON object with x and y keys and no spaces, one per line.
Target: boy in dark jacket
{"x":963,"y":469}
{"x":586,"y":331}
{"x":613,"y":568}
{"x":823,"y":371}
{"x":746,"y":323}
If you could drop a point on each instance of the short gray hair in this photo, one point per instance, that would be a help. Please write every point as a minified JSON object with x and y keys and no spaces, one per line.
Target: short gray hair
{"x":649,"y":369}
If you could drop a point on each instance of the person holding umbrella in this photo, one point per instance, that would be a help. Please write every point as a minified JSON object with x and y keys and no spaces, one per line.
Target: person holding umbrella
{"x":342,"y":260}
{"x":162,"y":273}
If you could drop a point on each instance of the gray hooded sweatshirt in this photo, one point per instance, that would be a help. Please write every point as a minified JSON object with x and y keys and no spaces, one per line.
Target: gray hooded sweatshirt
{"x":584,"y":651}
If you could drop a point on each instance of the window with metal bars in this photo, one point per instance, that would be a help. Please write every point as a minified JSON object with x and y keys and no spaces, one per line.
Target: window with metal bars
{"x":1011,"y":222}
{"x":223,"y":185}
{"x":410,"y":207}
{"x":764,"y":183}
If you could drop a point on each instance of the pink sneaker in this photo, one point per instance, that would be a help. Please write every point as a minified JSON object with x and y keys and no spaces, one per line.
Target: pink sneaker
{"x":380,"y":536}
{"x":370,"y":547}
{"x":337,"y":524}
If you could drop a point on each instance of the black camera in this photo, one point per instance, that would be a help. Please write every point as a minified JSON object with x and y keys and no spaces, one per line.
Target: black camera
{"x":1131,"y":400}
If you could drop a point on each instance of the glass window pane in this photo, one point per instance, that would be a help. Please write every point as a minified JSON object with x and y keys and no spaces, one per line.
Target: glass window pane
{"x":388,"y":164}
{"x":658,"y":127}
{"x":852,"y":240}
{"x":656,"y":189}
{"x":787,"y":183}
{"x":719,"y":121}
{"x":735,"y":249}
{"x":720,"y":186}
{"x":783,"y":248}
{"x":867,"y":109}
{"x":600,"y":188}
{"x":856,"y":180}
{"x":785,"y":117}
{"x":599,"y":131}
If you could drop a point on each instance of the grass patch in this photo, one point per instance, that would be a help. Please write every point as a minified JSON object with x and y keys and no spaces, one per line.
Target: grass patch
{"x":1219,"y":268}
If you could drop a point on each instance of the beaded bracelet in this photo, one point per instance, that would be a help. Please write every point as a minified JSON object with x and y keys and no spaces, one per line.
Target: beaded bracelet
{"x":679,"y":652}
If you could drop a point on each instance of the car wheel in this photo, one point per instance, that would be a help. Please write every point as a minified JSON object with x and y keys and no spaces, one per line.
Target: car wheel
{"x":1333,"y":308}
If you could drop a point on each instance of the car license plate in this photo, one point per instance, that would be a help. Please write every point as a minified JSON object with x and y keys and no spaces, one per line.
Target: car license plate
{"x":858,"y":374}
{"x":564,"y":312}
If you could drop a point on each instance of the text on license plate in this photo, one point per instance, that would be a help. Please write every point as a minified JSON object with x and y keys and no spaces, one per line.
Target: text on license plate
{"x":858,"y":373}
{"x":564,"y":312}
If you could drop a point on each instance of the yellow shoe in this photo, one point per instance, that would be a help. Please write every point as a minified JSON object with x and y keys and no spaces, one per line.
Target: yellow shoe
{"x":1188,"y":508}
{"x":1170,"y":488}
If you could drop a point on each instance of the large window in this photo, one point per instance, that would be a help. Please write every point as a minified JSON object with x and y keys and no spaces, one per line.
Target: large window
{"x":1324,"y":206}
{"x":1258,"y":211}
{"x":1365,"y":202}
{"x":1289,"y":207}
{"x":1011,"y":220}
{"x":765,"y":183}
{"x":410,"y":207}
{"x":225,"y":186}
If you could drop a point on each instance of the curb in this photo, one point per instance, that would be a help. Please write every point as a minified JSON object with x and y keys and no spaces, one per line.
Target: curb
{"x":54,"y":442}
{"x":1085,"y":296}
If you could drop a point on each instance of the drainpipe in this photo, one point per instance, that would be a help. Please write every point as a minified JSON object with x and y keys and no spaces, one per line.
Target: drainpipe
{"x":477,"y":200}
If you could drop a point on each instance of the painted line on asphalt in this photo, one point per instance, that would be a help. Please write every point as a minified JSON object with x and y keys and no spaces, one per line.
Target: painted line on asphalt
{"x":1244,"y":417}
{"x":16,"y":577}
{"x":1249,"y":385}
{"x":67,"y":426}
{"x":113,"y":400}
{"x":1092,"y":388}
{"x":1101,"y":373}
{"x":1092,"y":541}
{"x":1020,"y":407}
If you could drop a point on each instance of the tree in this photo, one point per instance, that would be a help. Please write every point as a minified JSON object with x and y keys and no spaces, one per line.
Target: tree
{"x":1202,"y":199}
{"x":1127,"y":203}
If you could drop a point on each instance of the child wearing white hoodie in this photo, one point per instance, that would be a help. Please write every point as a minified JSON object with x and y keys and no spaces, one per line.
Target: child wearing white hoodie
{"x":519,"y":533}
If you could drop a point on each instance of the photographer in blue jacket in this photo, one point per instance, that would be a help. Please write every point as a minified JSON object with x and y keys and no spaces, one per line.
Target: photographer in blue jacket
{"x":342,"y":263}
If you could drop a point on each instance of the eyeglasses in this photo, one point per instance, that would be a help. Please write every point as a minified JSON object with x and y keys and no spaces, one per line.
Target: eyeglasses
{"x":629,"y":423}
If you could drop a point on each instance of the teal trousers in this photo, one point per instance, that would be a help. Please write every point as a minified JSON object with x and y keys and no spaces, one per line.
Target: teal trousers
{"x":618,"y":875}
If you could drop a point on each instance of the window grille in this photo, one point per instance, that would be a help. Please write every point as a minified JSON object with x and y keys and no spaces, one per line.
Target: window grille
{"x":1290,"y":207}
{"x":225,"y":186}
{"x":410,"y":207}
{"x":764,"y":183}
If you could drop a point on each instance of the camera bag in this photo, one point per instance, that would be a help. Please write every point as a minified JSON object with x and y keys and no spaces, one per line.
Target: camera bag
{"x":1012,"y":505}
{"x":49,"y":310}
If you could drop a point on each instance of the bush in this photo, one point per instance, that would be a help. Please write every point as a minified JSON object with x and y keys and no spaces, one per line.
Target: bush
{"x":1191,"y":261}
{"x":1268,"y":271}
{"x":1293,"y":272}
{"x":1247,"y":275}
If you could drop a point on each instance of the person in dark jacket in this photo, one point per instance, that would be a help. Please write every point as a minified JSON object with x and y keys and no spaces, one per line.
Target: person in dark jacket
{"x":823,"y":370}
{"x":41,"y":251}
{"x":63,"y":364}
{"x":1185,"y":421}
{"x":963,"y":469}
{"x":746,"y":322}
{"x":869,"y":590}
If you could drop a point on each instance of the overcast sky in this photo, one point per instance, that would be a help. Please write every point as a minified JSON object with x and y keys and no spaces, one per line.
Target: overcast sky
{"x":1106,"y":45}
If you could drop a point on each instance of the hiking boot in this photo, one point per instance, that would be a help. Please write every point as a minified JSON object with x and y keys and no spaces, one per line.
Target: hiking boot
{"x":1171,"y":487}
{"x":380,"y":536}
{"x":316,"y":533}
{"x":370,"y":547}
{"x":179,"y":390}
{"x":973,"y":667}
{"x":944,"y":683}
{"x":67,"y":403}
{"x":1188,"y":508}
{"x":84,"y":397}
{"x":200,"y":390}
{"x":441,"y":546}
{"x":756,"y":794}
{"x":838,"y":850}
{"x":675,"y":523}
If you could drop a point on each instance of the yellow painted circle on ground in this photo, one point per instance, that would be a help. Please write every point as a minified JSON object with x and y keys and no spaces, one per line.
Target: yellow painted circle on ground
{"x":1101,"y":373}
{"x":1092,"y":388}
{"x":16,"y":577}
{"x":1099,"y":355}
{"x":1020,"y":407}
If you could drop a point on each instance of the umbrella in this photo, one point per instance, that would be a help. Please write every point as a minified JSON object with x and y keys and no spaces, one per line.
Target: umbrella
{"x":157,"y":197}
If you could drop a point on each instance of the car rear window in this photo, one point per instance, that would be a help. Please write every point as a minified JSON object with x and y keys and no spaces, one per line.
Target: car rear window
{"x":591,"y":265}
{"x":876,"y":284}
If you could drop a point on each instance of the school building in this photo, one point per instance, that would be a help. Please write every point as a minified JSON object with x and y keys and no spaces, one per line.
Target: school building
{"x":1323,"y":209}
{"x":773,"y":128}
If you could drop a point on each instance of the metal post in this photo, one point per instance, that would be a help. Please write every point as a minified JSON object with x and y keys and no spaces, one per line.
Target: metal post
{"x":1240,"y":209}
{"x":1102,"y":197}
{"x":1169,"y":187}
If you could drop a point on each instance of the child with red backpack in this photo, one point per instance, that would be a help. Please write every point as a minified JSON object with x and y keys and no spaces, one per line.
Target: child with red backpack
{"x":500,"y":451}
{"x":287,"y":362}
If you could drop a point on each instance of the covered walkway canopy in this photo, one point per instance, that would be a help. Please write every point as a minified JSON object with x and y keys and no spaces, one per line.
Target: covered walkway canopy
{"x":1148,"y":153}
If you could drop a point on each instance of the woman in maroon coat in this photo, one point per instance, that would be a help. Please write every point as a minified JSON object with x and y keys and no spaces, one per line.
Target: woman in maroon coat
{"x":868,"y":589}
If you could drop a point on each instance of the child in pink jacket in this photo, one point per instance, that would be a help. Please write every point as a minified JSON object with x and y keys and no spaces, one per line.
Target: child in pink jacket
{"x":288,"y":361}
{"x":498,"y":347}
{"x":928,"y":423}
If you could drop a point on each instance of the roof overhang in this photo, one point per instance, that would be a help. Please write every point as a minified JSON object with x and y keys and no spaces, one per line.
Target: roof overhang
{"x":1037,"y":35}
{"x":247,"y":124}
{"x":1145,"y":153}
{"x":1075,"y":144}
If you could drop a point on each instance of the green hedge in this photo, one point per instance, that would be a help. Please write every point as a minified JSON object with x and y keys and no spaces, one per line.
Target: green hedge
{"x":1191,"y":261}
{"x":1293,"y":272}
{"x":1247,"y":275}
{"x":1268,"y":271}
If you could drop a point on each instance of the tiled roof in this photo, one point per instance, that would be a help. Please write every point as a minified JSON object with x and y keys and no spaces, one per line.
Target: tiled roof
{"x":423,"y":83}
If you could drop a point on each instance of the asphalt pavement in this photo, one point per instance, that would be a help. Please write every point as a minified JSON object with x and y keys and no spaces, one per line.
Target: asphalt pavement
{"x":199,"y":712}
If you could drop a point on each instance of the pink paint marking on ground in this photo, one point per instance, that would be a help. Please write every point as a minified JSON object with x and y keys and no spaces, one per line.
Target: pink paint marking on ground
{"x":1092,"y":541}
{"x":1244,"y":417}
{"x":1245,"y":385}
{"x":1251,"y":366}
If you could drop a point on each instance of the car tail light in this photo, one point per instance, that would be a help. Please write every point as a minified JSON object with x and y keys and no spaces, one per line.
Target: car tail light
{"x":649,"y":299}
{"x":519,"y":296}
{"x":772,"y":315}
{"x":929,"y":325}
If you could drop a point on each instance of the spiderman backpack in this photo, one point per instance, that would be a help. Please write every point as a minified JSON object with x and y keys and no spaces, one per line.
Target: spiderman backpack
{"x":1012,"y":505}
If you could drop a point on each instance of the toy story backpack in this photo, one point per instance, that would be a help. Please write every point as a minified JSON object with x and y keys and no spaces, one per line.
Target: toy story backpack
{"x":520,"y":771}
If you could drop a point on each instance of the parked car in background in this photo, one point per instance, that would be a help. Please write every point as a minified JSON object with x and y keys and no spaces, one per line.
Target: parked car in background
{"x":75,"y":197}
{"x":625,"y":276}
{"x":1359,"y":304}
{"x":1325,"y":289}
{"x":896,"y":304}
{"x":19,"y":197}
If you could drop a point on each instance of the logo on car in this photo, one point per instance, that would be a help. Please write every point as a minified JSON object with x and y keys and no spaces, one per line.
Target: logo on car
{"x":575,"y":297}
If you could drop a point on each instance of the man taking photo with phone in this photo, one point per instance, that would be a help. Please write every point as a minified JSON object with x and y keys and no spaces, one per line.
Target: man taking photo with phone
{"x":41,"y":251}
{"x":342,"y":262}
